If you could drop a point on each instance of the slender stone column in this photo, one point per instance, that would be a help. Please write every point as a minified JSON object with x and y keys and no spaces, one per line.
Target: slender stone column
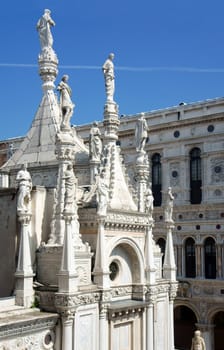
{"x":24,"y":273}
{"x":207,"y":332}
{"x":67,"y":332}
{"x":173,"y":293}
{"x":149,"y":327}
{"x":199,"y":261}
{"x":149,"y":258}
{"x":179,"y":260}
{"x":219,"y":261}
{"x":101,"y":271}
{"x":103,"y":329}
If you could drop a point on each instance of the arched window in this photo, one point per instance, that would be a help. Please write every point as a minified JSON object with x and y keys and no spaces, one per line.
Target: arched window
{"x":195,"y":176}
{"x":156,"y":179}
{"x":190,"y":258}
{"x":210,"y":258}
{"x":162,"y":244}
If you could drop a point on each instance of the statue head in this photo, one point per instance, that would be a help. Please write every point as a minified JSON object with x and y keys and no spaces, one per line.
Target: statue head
{"x":47,"y":11}
{"x":197,"y":333}
{"x":111,"y":56}
{"x":65,"y":78}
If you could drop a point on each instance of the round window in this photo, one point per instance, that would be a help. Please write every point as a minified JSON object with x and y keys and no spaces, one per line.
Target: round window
{"x":176,"y":133}
{"x":114,"y":270}
{"x":174,"y":173}
{"x":211,"y":128}
{"x":218,"y":169}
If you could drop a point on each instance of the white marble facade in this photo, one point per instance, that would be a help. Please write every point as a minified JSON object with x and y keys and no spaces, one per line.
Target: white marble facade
{"x":95,"y":275}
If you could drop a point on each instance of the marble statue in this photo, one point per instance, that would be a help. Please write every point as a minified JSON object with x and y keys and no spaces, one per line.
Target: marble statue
{"x":141,"y":133}
{"x":44,"y":28}
{"x":66,"y":103}
{"x":102,"y":194}
{"x":198,"y":342}
{"x":149,"y":201}
{"x":169,"y":206}
{"x":70,"y":188}
{"x":108,"y":71}
{"x":95,"y":143}
{"x":24,"y":184}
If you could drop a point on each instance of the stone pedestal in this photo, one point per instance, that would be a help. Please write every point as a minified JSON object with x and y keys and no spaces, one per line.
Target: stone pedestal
{"x":67,"y":277}
{"x":142,"y":174}
{"x":94,"y":170}
{"x":24,"y":272}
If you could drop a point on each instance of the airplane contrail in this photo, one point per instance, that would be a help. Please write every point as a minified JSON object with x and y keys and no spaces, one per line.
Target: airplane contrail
{"x":123,"y":68}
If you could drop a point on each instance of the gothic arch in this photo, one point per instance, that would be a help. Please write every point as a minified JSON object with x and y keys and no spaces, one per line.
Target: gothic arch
{"x":185,"y":319}
{"x":209,"y":244}
{"x":128,"y":256}
{"x":190,"y":257}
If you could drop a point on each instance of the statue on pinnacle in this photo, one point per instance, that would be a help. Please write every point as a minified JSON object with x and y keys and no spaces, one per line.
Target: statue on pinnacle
{"x":44,"y":28}
{"x":108,"y":71}
{"x":141,"y":133}
{"x":66,"y":104}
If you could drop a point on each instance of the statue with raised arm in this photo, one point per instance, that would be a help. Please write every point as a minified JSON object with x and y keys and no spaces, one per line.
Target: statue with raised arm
{"x":66,"y":104}
{"x":24,"y":184}
{"x":70,"y":189}
{"x":102,"y":194}
{"x":108,"y":71}
{"x":198,"y":342}
{"x":141,"y":133}
{"x":44,"y":28}
{"x":169,"y":206}
{"x":95,"y":143}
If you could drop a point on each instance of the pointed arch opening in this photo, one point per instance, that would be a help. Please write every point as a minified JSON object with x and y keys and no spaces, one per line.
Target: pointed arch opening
{"x":190,"y":262}
{"x":210,"y":258}
{"x":195,"y":176}
{"x":218,"y":322}
{"x":184,"y":327}
{"x":156,"y":179}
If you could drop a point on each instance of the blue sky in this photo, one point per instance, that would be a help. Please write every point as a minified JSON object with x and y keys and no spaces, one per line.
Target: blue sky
{"x":165,"y":52}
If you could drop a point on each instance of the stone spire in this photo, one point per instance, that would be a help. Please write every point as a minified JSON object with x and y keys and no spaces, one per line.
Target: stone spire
{"x":112,"y":161}
{"x":38,"y":146}
{"x":169,"y":266}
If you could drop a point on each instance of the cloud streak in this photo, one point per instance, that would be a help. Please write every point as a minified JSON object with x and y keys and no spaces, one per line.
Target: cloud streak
{"x":123,"y":68}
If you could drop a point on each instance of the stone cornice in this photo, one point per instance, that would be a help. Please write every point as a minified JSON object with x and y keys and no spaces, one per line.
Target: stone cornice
{"x":18,"y":327}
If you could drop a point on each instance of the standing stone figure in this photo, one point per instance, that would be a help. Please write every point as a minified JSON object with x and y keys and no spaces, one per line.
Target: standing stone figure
{"x":141,"y":133}
{"x":70,"y":189}
{"x":24,"y":184}
{"x":95,"y":143}
{"x":44,"y":28}
{"x":108,"y":71}
{"x":102,"y":194}
{"x":169,"y":206}
{"x":149,"y":201}
{"x":198,"y":342}
{"x":66,"y":104}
